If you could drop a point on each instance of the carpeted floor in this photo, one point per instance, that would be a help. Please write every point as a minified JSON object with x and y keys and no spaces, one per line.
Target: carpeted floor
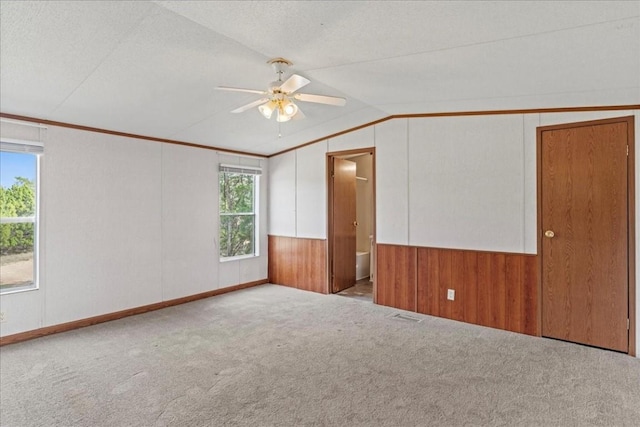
{"x":275,"y":356}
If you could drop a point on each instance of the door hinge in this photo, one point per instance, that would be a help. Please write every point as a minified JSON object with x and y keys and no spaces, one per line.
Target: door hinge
{"x":627,"y":150}
{"x":628,"y":324}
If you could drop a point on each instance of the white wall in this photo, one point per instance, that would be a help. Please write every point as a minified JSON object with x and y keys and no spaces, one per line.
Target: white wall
{"x":392,"y":182}
{"x":363,"y":138}
{"x":102,"y":224}
{"x":457,"y":182}
{"x":466,"y":182}
{"x":311,"y":191}
{"x":189,"y":179}
{"x":125,"y":223}
{"x":282,"y":195}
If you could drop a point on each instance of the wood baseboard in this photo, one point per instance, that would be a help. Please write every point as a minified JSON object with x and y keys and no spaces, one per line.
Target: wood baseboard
{"x":76,"y":324}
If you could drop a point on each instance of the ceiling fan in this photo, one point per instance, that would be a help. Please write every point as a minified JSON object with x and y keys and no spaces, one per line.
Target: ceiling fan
{"x":279,"y":96}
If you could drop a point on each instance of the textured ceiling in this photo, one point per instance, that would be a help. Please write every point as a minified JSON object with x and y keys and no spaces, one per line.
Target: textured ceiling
{"x":150,"y":68}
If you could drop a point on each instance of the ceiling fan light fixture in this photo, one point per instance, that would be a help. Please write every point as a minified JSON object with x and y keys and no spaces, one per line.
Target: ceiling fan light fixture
{"x":286,"y":109}
{"x":268,"y":109}
{"x":282,"y":116}
{"x":290,"y":109}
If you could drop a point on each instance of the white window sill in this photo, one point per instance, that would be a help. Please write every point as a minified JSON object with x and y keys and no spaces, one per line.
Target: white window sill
{"x":19,"y":289}
{"x":237,"y":258}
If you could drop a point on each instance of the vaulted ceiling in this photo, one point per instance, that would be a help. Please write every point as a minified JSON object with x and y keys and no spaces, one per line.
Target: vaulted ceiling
{"x":150,"y":68}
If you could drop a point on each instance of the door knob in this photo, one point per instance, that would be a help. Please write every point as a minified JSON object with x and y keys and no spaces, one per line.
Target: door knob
{"x":549,"y":234}
{"x":355,"y":223}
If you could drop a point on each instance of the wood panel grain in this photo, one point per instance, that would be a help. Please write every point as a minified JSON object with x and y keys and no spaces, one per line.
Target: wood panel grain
{"x":492,"y":289}
{"x":529,"y":306}
{"x":498,"y":291}
{"x":470,"y":292}
{"x":298,"y":263}
{"x":428,"y":290}
{"x":484,"y":289}
{"x":444,"y":265}
{"x":514,"y":277}
{"x":396,"y":276}
{"x":314,"y":268}
{"x":457,"y":278}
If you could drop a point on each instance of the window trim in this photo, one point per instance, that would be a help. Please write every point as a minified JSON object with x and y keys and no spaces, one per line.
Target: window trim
{"x":246,"y":170}
{"x":36,"y":149}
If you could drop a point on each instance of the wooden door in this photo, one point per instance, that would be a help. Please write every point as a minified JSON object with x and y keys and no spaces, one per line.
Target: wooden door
{"x":584,"y":227}
{"x":344,"y":225}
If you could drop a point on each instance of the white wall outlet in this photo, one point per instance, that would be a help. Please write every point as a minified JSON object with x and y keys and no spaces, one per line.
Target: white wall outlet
{"x":451,"y":294}
{"x":3,"y":317}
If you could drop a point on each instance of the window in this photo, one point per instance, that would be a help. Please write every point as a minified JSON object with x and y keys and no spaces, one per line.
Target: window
{"x":238,"y":211}
{"x":19,"y":167}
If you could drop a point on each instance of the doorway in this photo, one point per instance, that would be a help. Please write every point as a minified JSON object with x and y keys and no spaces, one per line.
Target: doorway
{"x":351,"y":223}
{"x":586,"y":233}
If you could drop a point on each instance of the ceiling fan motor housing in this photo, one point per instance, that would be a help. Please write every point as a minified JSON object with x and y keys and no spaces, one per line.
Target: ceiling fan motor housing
{"x":280,"y":65}
{"x":274,"y":87}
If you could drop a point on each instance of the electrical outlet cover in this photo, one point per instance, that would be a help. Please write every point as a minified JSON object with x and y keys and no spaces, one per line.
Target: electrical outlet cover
{"x":451,"y":294}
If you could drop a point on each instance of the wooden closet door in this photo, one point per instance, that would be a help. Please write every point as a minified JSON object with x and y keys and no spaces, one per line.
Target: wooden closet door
{"x":584,"y":244}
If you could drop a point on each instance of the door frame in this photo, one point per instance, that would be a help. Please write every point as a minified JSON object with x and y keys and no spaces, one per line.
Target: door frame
{"x":631,"y":254}
{"x":340,"y":154}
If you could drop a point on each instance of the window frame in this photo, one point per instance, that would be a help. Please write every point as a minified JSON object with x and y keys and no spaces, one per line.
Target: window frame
{"x":35,"y":148}
{"x":244,"y":170}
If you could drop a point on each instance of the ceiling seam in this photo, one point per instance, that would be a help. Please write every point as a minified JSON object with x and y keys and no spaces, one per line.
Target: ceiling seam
{"x":208,"y":29}
{"x":371,"y":61}
{"x":93,"y":71}
{"x":512,"y":96}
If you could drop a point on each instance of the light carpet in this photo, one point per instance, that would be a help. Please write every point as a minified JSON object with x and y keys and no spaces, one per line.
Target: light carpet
{"x":275,"y":356}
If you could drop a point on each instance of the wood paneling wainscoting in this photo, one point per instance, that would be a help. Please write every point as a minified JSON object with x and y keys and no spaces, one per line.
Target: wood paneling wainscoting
{"x":396,"y":276}
{"x":492,"y":289}
{"x":298,"y":263}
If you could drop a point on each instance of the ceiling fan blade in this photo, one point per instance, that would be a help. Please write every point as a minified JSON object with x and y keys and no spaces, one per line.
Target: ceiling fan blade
{"x":293,"y":83}
{"x":237,"y":89}
{"x":250,"y":105}
{"x":330,"y":100}
{"x":299,"y":115}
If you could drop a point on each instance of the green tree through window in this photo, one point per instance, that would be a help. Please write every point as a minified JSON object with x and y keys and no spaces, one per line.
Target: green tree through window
{"x":17,"y":201}
{"x":18,"y":216}
{"x":237,"y":212}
